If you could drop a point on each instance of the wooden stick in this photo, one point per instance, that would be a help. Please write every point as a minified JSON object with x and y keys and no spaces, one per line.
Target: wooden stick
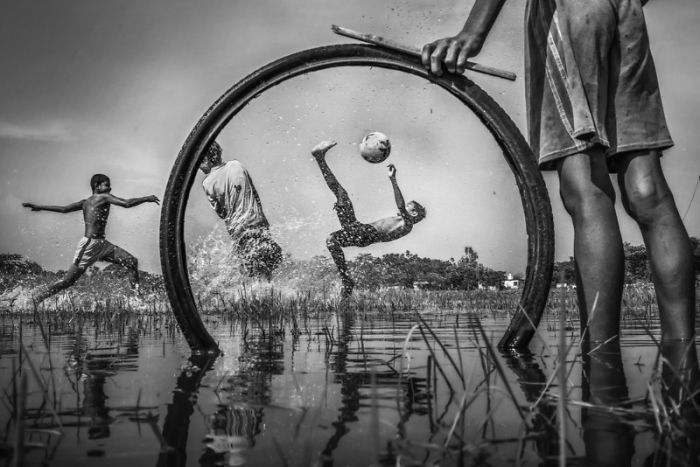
{"x":388,"y":44}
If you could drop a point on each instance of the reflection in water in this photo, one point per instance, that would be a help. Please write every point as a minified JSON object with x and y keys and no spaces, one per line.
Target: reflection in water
{"x":97,"y":366}
{"x":532,"y":381}
{"x":236,"y":423}
{"x":677,"y":444}
{"x":177,"y":420}
{"x":93,"y":364}
{"x":349,"y":388}
{"x":95,"y":405}
{"x":338,"y":399}
{"x":609,"y":439}
{"x":361,"y":382}
{"x":608,"y":433}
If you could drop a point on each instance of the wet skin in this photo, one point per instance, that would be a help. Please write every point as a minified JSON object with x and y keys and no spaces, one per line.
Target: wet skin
{"x":95,"y":213}
{"x":96,"y":208}
{"x":354,"y":233}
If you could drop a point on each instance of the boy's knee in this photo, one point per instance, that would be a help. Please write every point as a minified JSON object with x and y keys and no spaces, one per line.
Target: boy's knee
{"x":66,"y":282}
{"x":332,"y":241}
{"x":583,"y":200}
{"x":644,"y":200}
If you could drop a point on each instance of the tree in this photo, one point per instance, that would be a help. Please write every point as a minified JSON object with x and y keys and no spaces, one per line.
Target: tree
{"x":636,"y":263}
{"x":564,"y":272}
{"x":16,"y":264}
{"x":367,"y":271}
{"x":469,"y":268}
{"x":470,"y":255}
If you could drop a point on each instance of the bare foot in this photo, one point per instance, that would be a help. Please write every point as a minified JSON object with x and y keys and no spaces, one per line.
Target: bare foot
{"x":319,"y":151}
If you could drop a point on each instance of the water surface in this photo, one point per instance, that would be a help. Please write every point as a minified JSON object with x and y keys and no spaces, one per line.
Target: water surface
{"x":330,"y":389}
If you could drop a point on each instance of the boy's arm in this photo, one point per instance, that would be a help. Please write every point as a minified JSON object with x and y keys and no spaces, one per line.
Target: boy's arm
{"x":131,"y":202}
{"x":218,"y":208}
{"x":77,"y":206}
{"x":454,"y":51}
{"x":400,"y":203}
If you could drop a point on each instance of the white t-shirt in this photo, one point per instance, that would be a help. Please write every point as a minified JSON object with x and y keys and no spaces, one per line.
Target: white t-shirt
{"x":231,"y":193}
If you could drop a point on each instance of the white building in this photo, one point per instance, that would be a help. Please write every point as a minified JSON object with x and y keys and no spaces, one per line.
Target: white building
{"x":511,"y":283}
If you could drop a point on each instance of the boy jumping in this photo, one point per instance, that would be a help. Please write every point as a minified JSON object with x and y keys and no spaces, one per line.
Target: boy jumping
{"x":231,"y":193}
{"x":93,"y":247}
{"x":355,"y":233}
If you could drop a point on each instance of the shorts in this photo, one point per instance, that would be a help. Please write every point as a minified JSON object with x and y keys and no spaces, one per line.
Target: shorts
{"x":91,"y":250}
{"x":259,"y":253}
{"x":357,"y":234}
{"x":590,"y":80}
{"x":345,"y":211}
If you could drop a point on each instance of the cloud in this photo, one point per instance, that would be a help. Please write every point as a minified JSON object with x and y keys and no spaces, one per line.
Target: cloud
{"x":49,"y":132}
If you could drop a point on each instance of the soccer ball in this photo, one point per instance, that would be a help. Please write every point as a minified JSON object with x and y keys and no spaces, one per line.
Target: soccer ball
{"x":375,"y":147}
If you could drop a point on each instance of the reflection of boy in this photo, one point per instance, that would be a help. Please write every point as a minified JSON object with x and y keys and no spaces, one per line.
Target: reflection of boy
{"x":355,"y":233}
{"x":233,"y":197}
{"x":93,"y":246}
{"x":594,"y":107}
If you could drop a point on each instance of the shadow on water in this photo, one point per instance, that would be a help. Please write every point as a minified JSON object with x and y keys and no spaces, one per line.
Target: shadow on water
{"x":176,"y":426}
{"x":340,"y":389}
{"x":238,"y":417}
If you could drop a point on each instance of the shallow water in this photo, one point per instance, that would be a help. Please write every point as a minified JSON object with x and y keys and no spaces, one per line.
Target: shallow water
{"x":327,"y":390}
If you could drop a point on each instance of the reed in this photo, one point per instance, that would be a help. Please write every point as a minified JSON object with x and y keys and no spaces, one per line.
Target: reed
{"x":462,"y":398}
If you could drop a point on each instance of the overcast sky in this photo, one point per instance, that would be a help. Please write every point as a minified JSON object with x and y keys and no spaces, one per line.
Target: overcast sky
{"x":115,"y":86}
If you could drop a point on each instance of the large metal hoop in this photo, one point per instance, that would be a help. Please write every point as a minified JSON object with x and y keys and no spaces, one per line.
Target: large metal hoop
{"x":533,"y":192}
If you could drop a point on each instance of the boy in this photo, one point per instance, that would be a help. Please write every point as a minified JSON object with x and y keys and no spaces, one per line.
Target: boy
{"x":355,"y":233}
{"x":594,"y":108}
{"x":233,"y":197}
{"x":93,"y":246}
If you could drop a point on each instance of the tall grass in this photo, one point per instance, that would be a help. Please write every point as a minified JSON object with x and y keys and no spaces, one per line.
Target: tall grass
{"x":463,"y":400}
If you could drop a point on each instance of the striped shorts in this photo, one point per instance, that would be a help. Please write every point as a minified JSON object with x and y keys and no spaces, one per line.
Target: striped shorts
{"x":590,"y":80}
{"x":91,"y":250}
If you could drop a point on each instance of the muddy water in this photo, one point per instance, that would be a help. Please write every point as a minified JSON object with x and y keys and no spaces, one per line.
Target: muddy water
{"x":330,"y":390}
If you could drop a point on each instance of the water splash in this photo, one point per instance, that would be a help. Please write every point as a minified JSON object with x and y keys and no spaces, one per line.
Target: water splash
{"x":217,"y":273}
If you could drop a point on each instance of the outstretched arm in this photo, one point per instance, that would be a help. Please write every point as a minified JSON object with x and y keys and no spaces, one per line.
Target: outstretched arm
{"x":77,"y":206}
{"x":454,"y":51}
{"x":131,"y":202}
{"x":400,"y":203}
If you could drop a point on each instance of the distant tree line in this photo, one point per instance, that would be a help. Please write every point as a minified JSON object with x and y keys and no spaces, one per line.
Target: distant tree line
{"x":636,"y":265}
{"x":408,"y":270}
{"x":15,"y":270}
{"x":393,"y":269}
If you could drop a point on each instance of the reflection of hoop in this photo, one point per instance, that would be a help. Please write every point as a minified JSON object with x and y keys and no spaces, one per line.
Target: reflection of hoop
{"x":538,"y":214}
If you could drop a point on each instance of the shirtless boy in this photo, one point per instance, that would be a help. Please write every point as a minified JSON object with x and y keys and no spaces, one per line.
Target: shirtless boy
{"x":93,"y":247}
{"x":355,"y":233}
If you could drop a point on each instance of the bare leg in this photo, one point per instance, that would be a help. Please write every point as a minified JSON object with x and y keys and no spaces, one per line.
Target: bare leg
{"x":72,"y":275}
{"x":319,"y":153}
{"x":589,"y":197}
{"x":609,"y":440}
{"x":129,"y":261}
{"x":680,"y":372}
{"x":335,"y":244}
{"x":648,"y":199}
{"x":337,"y":240}
{"x":680,"y":389}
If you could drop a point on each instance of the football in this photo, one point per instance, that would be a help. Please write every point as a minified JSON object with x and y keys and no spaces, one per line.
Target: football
{"x":375,"y":147}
